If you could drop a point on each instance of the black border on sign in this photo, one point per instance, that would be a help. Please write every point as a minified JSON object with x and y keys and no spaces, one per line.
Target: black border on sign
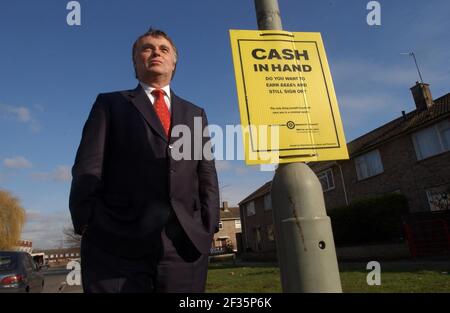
{"x":326,"y":86}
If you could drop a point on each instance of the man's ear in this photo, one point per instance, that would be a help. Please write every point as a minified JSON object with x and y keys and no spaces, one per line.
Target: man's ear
{"x":173,"y":72}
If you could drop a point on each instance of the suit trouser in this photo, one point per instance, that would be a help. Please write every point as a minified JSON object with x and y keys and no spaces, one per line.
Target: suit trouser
{"x":178,"y":273}
{"x":180,"y":269}
{"x":104,"y":272}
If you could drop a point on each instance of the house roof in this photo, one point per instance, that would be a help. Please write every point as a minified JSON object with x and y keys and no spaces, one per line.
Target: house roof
{"x":404,"y":124}
{"x":232,"y":213}
{"x":264,"y":189}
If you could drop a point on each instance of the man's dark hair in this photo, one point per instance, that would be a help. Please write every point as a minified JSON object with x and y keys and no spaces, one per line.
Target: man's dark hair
{"x":154,"y":33}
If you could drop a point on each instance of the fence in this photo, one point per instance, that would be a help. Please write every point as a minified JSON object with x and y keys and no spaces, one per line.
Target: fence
{"x":427,"y":237}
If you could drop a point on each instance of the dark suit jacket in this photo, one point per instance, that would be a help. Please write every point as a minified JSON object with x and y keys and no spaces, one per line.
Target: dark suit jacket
{"x":126,"y":182}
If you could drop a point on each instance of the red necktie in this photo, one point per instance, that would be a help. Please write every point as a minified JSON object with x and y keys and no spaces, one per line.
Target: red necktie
{"x":161,"y":109}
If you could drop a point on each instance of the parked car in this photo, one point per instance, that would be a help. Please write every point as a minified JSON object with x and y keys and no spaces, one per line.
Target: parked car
{"x":19,"y":273}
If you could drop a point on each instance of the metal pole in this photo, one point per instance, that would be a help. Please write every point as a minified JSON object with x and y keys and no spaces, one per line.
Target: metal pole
{"x":268,"y":14}
{"x":415,"y":61}
{"x":417,"y":66}
{"x":305,"y":244}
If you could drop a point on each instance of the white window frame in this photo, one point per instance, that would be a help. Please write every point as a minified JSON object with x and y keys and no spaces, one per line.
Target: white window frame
{"x":267,"y":202}
{"x":438,"y":198}
{"x":438,"y":129}
{"x":270,"y":232}
{"x":324,"y":174}
{"x":363,"y":161}
{"x":250,"y":208}
{"x":220,"y":225}
{"x":237,"y":224}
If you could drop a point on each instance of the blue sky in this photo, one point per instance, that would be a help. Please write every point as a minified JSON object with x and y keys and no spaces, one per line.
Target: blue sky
{"x":50,"y":74}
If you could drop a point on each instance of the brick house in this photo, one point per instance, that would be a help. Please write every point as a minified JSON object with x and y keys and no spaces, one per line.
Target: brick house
{"x":409,"y":155}
{"x":229,"y":229}
{"x":257,"y":221}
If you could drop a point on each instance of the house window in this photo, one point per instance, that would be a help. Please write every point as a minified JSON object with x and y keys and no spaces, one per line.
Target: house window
{"x":270,"y":233}
{"x":326,"y":179}
{"x":267,"y":202}
{"x":250,"y":208}
{"x":368,"y":164}
{"x":432,"y":140}
{"x":220,"y":225}
{"x":237,"y":224}
{"x":439,"y":198}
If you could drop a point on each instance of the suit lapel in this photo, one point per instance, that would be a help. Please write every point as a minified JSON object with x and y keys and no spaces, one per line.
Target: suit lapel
{"x":141,"y":101}
{"x":178,"y":112}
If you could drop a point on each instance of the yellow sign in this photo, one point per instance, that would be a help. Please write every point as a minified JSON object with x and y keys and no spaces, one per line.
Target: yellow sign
{"x":287,"y":102}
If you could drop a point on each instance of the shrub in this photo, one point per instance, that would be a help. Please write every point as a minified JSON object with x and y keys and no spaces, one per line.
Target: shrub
{"x":373,"y":220}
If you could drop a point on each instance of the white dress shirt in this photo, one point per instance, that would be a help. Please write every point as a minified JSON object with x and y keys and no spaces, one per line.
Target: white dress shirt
{"x":148,"y":90}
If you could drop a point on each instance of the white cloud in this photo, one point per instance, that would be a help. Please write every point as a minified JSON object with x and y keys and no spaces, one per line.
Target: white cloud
{"x":357,"y":71}
{"x":46,"y":229}
{"x":21,"y":114}
{"x":222,"y":166}
{"x":366,"y":102}
{"x":40,"y":176}
{"x":32,"y":216}
{"x":62,"y":173}
{"x":18,"y":162}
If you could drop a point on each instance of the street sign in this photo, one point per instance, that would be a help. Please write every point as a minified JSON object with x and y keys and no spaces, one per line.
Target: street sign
{"x":287,"y":102}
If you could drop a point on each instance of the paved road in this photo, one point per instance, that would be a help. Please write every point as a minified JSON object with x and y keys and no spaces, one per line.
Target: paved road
{"x":56,"y":281}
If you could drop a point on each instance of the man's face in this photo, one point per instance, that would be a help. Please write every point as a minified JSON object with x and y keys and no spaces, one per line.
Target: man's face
{"x":154,"y":57}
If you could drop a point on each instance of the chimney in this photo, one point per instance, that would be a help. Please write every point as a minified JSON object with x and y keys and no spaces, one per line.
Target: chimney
{"x":422,"y":96}
{"x":225,"y":206}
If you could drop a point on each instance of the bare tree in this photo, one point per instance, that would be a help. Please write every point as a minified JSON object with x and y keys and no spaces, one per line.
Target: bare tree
{"x":71,"y":239}
{"x":12,"y":219}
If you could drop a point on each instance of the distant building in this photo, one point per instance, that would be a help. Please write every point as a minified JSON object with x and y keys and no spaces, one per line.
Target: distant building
{"x":24,"y":246}
{"x":257,"y":221}
{"x":229,"y":229}
{"x":61,"y":256}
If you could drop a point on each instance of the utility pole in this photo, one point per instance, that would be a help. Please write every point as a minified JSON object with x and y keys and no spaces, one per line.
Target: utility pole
{"x":268,"y":15}
{"x":305,"y":244}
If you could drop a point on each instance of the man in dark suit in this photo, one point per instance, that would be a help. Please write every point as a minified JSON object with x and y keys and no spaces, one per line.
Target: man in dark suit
{"x":146,"y":215}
